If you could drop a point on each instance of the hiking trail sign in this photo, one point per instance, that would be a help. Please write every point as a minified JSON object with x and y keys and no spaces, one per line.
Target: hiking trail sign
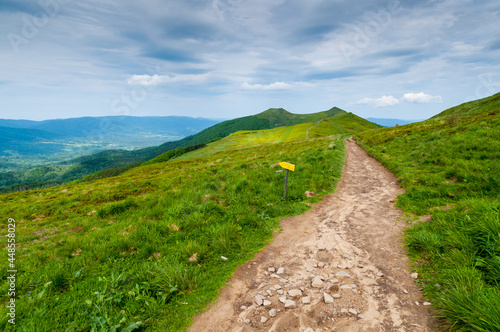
{"x":288,"y":167}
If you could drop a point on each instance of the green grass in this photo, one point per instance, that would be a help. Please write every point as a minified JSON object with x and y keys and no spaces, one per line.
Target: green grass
{"x":341,"y":123}
{"x":114,"y":254}
{"x":113,"y":162}
{"x":449,"y":166}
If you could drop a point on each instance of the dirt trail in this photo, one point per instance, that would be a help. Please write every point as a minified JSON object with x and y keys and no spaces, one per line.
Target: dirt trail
{"x":347,"y":246}
{"x":307,"y":132}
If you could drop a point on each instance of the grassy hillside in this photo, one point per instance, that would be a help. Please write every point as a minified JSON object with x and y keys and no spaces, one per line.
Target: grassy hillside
{"x":450,"y":168}
{"x":339,"y":123}
{"x":143,"y":249}
{"x":114,"y":159}
{"x":280,"y":117}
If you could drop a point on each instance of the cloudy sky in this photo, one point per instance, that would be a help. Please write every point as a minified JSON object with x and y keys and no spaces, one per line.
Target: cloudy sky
{"x":230,"y":58}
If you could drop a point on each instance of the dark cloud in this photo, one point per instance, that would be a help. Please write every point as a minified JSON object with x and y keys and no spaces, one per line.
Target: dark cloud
{"x":14,"y":6}
{"x":494,"y":45}
{"x":169,"y":54}
{"x":330,"y":75}
{"x":396,"y":53}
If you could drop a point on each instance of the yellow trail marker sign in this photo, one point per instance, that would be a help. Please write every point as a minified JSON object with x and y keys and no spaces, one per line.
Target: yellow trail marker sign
{"x":287,"y":166}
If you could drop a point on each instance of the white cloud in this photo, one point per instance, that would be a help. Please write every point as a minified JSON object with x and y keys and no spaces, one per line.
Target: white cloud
{"x":145,"y":80}
{"x":153,"y":80}
{"x":383,"y":101}
{"x":276,"y":86}
{"x":411,"y":97}
{"x":421,"y":98}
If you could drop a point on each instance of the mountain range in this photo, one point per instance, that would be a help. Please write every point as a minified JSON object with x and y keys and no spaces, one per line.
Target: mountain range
{"x":119,"y":159}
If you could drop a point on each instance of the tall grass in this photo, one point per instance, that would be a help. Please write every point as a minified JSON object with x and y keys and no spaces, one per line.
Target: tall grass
{"x":142,"y":250}
{"x":449,"y":166}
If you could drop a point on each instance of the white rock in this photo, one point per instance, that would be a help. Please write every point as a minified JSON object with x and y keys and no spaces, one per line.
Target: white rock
{"x":259,"y":299}
{"x":269,"y":292}
{"x":281,"y":270}
{"x":360,"y":316}
{"x":380,"y":274}
{"x":306,"y":300}
{"x":243,"y":307}
{"x":427,"y":303}
{"x":295,"y":293}
{"x":277,"y":286}
{"x":272,"y":313}
{"x":344,"y":311}
{"x":343,"y":274}
{"x":321,"y":265}
{"x":352,"y":311}
{"x":263,"y":319}
{"x":321,"y":248}
{"x":275,"y":276}
{"x":271,"y":269}
{"x":279,"y":291}
{"x":267,"y":303}
{"x":223,"y":258}
{"x":290,"y":304}
{"x":282,"y":299}
{"x":283,"y":280}
{"x":345,"y":287}
{"x":414,"y":275}
{"x":336,"y":296}
{"x":317,"y":282}
{"x":328,"y":298}
{"x":246,"y":321}
{"x":405,"y":291}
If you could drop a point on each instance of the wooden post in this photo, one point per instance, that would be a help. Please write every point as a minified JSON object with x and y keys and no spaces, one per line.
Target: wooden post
{"x":286,"y":184}
{"x":288,"y":167}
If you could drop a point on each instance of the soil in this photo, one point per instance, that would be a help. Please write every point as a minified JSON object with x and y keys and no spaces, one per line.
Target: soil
{"x":350,"y":246}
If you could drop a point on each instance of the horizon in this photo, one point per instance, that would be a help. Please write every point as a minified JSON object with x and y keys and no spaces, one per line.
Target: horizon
{"x":181,"y":116}
{"x":227,"y":58}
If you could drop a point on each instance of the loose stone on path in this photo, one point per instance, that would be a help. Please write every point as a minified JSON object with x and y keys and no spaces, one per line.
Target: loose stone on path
{"x":317,"y":282}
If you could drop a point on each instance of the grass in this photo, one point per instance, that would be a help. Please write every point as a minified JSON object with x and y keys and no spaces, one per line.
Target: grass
{"x":449,"y":167}
{"x":341,"y":123}
{"x":142,"y":250}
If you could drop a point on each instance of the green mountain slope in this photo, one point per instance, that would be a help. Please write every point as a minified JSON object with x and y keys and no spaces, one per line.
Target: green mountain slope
{"x":112,"y":159}
{"x":339,"y":122}
{"x":450,"y":168}
{"x":143,"y":249}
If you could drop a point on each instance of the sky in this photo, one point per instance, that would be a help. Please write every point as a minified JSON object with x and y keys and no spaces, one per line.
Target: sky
{"x":231,"y":58}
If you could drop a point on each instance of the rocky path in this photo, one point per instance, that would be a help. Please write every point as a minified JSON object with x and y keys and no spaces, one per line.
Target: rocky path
{"x":338,"y":267}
